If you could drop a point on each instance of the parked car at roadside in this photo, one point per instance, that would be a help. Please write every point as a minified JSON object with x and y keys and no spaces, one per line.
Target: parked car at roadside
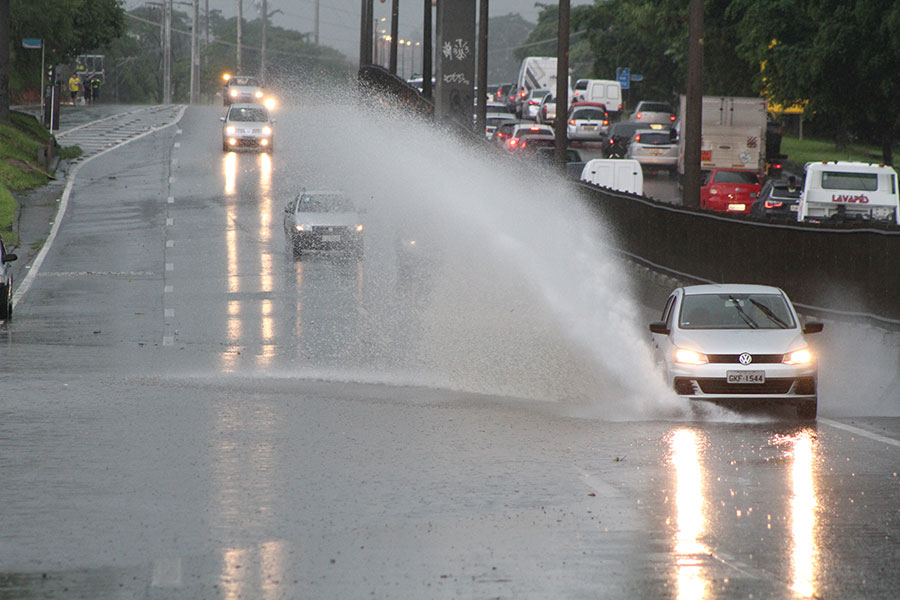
{"x":6,"y":282}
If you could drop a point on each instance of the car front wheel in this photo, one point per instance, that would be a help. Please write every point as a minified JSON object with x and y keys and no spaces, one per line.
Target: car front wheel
{"x":6,"y":303}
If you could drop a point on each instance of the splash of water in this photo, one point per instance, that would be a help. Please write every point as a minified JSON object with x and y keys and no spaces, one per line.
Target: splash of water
{"x":526,"y":298}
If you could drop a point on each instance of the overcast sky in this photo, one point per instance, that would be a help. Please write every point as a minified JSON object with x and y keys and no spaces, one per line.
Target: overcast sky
{"x":339,"y":19}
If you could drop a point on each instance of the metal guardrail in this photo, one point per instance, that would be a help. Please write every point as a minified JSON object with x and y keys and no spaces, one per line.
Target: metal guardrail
{"x":847,"y":270}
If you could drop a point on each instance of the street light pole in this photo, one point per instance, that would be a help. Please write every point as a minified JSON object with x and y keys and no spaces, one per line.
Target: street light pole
{"x":693,"y":107}
{"x":562,"y":85}
{"x":195,"y":55}
{"x":262,"y":53}
{"x":240,"y":35}
{"x":395,"y":28}
{"x":167,"y":52}
{"x":481,"y":99}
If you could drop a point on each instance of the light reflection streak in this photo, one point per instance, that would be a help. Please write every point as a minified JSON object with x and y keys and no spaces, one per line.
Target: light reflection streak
{"x":804,"y":553}
{"x":232,"y":578}
{"x":690,"y":506}
{"x":230,"y":171}
{"x":268,"y":333}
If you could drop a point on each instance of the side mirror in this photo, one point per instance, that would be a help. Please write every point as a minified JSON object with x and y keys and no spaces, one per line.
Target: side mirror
{"x":813,"y":327}
{"x":272,"y":121}
{"x":222,"y":119}
{"x":659,"y":327}
{"x":9,"y":257}
{"x":287,"y":208}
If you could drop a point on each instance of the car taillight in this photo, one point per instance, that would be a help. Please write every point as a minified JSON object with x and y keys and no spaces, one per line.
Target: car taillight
{"x":606,"y":123}
{"x":532,"y":102}
{"x":572,"y":122}
{"x":639,"y":116}
{"x":773,"y":204}
{"x":513,"y":142}
{"x":637,"y":138}
{"x":671,"y":117}
{"x":620,"y":107}
{"x":534,"y":129}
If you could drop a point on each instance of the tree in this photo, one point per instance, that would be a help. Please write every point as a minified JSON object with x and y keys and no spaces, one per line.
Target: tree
{"x":4,"y":61}
{"x":837,"y":58}
{"x":68,"y":28}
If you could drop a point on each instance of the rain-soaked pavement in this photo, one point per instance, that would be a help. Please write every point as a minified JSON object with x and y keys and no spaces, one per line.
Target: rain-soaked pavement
{"x":188,"y":410}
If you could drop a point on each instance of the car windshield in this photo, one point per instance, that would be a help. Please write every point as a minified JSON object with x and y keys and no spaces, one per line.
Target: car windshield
{"x":655,"y":138}
{"x":735,"y":177}
{"x":253,"y":115}
{"x":539,"y":93}
{"x":838,"y":180}
{"x":735,"y":311}
{"x":656,"y":107}
{"x":325,"y":203}
{"x":589,"y":113}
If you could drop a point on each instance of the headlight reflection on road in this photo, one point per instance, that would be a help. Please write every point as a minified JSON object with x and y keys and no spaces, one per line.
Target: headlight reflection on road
{"x":230,"y":171}
{"x":804,"y":553}
{"x":690,"y":505}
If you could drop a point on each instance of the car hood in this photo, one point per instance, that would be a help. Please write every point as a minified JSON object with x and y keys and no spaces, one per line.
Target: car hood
{"x":736,"y":341}
{"x":328,"y":219}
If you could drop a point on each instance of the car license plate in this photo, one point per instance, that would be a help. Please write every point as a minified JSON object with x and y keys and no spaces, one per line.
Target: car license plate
{"x":589,"y":127}
{"x":745,"y":376}
{"x":331,"y":238}
{"x":656,"y":151}
{"x":795,"y":208}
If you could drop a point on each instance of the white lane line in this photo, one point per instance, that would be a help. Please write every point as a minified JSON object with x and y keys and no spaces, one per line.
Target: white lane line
{"x":856,"y":430}
{"x":168,"y":289}
{"x":169,"y":221}
{"x":178,"y":144}
{"x":170,"y":266}
{"x":170,"y":200}
{"x":170,"y":243}
{"x":64,"y":203}
{"x":168,"y":340}
{"x":170,"y":312}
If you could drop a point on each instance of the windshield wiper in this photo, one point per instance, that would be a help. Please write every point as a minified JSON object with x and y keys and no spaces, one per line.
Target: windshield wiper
{"x":744,"y":316}
{"x":768,"y":312}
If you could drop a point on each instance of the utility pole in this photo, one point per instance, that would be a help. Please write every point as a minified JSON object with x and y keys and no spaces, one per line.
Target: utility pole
{"x":395,"y":31}
{"x":262,"y":53}
{"x":195,"y":55}
{"x":240,"y":36}
{"x":562,"y":85}
{"x":4,"y":61}
{"x":693,"y":107}
{"x":316,"y":36}
{"x":427,"y":46}
{"x":206,"y":31}
{"x":481,"y":99}
{"x":167,"y":52}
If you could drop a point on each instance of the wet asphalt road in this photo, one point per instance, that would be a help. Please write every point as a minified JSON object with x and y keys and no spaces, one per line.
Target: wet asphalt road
{"x":190,"y":411}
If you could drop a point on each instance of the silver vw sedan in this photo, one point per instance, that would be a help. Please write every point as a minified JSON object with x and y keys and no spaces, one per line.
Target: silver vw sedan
{"x":324,"y":220}
{"x":737,"y":344}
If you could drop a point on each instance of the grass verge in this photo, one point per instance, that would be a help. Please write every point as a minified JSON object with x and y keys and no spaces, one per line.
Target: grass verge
{"x":20,"y":140}
{"x":807,"y":150}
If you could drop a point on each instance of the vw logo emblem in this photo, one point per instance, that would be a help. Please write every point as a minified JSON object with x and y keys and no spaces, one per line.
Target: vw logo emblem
{"x":745,"y":358}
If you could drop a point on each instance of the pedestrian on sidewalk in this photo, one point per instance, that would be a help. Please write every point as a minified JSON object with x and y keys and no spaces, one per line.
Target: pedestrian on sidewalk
{"x":74,"y":87}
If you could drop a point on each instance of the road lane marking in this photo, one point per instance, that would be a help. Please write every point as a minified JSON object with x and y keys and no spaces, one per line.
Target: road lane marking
{"x":856,"y":430}
{"x":64,"y":203}
{"x":170,"y":312}
{"x":170,"y":243}
{"x":170,"y":266}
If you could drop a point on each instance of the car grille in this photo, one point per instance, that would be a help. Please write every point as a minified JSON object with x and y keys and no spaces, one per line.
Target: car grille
{"x":720,"y":386}
{"x":329,"y":229}
{"x":757,"y":358}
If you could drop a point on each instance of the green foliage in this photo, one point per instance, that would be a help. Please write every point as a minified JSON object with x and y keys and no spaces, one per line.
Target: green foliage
{"x":68,"y":28}
{"x":8,"y":208}
{"x":807,"y":150}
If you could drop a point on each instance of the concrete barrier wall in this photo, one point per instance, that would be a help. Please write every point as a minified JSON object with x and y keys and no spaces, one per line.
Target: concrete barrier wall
{"x":849,"y":270}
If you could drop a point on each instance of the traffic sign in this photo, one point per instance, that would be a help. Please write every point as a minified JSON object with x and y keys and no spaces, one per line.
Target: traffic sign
{"x":637,"y":77}
{"x":623,"y":76}
{"x":32,"y":43}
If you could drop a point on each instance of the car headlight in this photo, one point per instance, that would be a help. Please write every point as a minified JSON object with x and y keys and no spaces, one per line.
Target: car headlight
{"x":233,"y":93}
{"x":258,"y":94}
{"x":690,"y":357}
{"x":359,"y":227}
{"x":267,"y":130}
{"x":299,"y":226}
{"x":798,"y":357}
{"x":229,"y":130}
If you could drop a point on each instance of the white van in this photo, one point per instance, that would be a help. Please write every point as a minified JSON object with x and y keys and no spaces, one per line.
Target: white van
{"x":622,"y":174}
{"x":849,"y":191}
{"x":605,"y":91}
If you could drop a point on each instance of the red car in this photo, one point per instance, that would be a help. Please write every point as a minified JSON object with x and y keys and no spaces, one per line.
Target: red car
{"x":729,"y":190}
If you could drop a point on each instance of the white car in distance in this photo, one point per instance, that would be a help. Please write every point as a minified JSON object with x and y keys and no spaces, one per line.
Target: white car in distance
{"x":738,"y":345}
{"x":248,"y":126}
